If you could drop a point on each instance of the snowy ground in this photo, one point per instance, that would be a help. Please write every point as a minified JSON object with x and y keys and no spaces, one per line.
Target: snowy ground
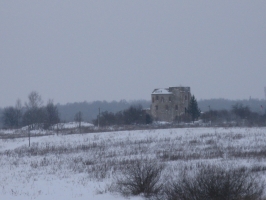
{"x":70,"y":125}
{"x":83,"y":166}
{"x":60,"y":126}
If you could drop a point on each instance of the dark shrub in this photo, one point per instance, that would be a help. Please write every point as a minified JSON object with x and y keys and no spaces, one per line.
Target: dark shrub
{"x":214,"y":183}
{"x":141,"y":177}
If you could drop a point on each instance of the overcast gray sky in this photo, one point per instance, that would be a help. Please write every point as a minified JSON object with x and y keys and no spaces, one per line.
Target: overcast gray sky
{"x":73,"y":51}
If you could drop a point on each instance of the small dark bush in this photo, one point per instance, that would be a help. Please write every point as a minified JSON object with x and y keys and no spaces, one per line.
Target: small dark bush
{"x":142,"y":177}
{"x":214,"y":183}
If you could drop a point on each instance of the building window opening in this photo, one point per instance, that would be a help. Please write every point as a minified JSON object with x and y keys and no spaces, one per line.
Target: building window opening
{"x":156,"y":107}
{"x":176,"y":107}
{"x":162,"y":99}
{"x":157,"y":98}
{"x":170,"y":99}
{"x":152,"y":99}
{"x":185,"y":97}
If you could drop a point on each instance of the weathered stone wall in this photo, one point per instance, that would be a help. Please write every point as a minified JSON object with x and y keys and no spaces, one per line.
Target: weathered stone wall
{"x":167,"y":107}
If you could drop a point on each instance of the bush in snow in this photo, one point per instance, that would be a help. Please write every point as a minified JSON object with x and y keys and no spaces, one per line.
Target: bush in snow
{"x":214,"y":183}
{"x":141,"y":178}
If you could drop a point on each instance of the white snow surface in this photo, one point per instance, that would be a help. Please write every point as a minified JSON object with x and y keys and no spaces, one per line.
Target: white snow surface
{"x":70,"y":125}
{"x":57,"y":170}
{"x":67,"y":125}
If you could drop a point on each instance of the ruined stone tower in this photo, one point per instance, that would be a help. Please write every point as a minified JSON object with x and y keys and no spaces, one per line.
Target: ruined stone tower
{"x":170,"y":103}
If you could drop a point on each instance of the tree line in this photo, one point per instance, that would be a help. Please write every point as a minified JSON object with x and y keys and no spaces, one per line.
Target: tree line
{"x":131,"y":116}
{"x":126,"y":112}
{"x":136,"y":115}
{"x":238,"y":114}
{"x":35,"y":115}
{"x":90,"y":110}
{"x":226,"y":104}
{"x":32,"y":114}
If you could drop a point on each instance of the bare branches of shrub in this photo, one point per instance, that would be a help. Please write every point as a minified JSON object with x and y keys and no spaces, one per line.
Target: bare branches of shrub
{"x":214,"y":183}
{"x":141,"y":178}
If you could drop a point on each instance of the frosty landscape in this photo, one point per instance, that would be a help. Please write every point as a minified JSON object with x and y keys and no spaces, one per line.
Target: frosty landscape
{"x":86,"y":166}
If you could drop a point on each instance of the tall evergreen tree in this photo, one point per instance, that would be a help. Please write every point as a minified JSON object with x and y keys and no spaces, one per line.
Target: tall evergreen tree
{"x":193,"y":108}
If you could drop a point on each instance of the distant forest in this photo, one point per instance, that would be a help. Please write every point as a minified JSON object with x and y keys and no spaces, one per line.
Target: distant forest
{"x":90,"y":110}
{"x":225,"y":104}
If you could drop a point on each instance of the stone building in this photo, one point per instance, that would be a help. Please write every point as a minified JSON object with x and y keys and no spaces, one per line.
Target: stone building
{"x":170,"y":103}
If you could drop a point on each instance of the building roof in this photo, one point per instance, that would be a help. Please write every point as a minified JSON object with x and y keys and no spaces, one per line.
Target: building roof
{"x":161,"y":91}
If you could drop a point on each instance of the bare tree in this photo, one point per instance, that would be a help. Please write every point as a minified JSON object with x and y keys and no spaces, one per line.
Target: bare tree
{"x":35,"y":113}
{"x":35,"y":100}
{"x":78,"y":118}
{"x":243,"y":112}
{"x":18,"y":108}
{"x":12,"y":116}
{"x":9,"y":117}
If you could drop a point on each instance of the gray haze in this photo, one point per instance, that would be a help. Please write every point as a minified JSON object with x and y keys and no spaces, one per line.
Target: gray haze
{"x":110,"y":50}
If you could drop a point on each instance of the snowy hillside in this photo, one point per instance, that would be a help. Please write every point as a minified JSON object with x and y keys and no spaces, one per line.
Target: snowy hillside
{"x":84,"y":166}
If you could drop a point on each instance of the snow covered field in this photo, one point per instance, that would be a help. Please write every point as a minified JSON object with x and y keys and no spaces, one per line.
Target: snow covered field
{"x":83,"y":166}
